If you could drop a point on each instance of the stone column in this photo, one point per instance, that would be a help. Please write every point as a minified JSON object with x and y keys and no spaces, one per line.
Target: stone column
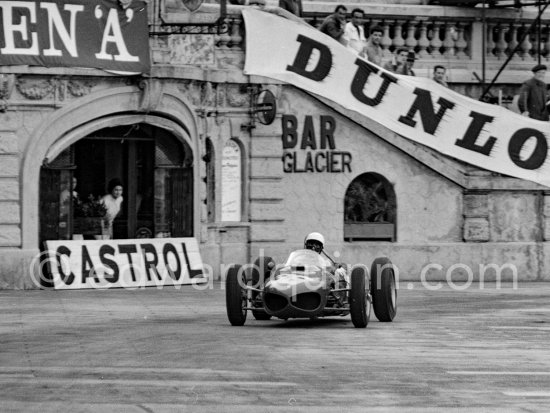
{"x":476,"y":217}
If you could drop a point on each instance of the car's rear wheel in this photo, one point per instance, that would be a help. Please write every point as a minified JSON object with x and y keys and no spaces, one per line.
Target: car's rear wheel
{"x":236,"y":299}
{"x":261,"y":271}
{"x":383,"y":289}
{"x":359,"y":302}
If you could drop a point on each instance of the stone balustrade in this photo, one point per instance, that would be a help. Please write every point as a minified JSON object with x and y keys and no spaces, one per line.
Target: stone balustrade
{"x":439,"y":35}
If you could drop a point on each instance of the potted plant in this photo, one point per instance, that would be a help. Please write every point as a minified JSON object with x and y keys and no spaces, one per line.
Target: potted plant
{"x":88,"y":216}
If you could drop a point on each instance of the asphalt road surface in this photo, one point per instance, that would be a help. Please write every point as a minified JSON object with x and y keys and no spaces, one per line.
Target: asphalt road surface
{"x":173,"y":350}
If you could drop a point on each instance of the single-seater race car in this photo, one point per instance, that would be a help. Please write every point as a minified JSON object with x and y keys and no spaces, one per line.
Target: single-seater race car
{"x":310,"y":285}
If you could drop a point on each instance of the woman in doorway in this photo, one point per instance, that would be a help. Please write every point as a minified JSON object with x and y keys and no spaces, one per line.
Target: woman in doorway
{"x":112,"y":202}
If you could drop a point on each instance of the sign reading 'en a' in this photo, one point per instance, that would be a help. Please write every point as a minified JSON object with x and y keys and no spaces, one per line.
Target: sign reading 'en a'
{"x":95,"y":34}
{"x":488,"y":136}
{"x":128,"y":263}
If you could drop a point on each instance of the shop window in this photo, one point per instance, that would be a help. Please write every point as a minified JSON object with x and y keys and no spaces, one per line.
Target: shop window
{"x":370,"y":209}
{"x":231,"y":182}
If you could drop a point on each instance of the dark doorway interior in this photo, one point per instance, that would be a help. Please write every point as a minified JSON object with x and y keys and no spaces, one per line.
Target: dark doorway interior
{"x":154,"y":167}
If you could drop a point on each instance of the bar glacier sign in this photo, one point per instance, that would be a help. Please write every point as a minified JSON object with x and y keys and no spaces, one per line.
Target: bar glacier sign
{"x":99,"y":34}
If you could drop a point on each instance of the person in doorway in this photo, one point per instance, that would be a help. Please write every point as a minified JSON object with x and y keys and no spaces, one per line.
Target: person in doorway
{"x":533,"y":95}
{"x":334,"y":24}
{"x":112,"y":202}
{"x":439,"y":75}
{"x":355,"y":33}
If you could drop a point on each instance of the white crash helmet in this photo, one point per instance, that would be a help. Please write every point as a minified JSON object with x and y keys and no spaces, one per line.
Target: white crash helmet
{"x":314,"y":241}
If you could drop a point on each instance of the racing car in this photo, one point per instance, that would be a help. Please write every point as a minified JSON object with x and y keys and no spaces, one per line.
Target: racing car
{"x":307,"y":285}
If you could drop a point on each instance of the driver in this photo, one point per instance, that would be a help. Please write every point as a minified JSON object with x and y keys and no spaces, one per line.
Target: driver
{"x":316,"y":241}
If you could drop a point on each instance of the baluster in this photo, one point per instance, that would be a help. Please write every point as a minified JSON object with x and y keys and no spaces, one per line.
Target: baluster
{"x":461,"y":43}
{"x":236,"y":37}
{"x":512,"y":44}
{"x":501,"y":44}
{"x":526,"y":44}
{"x":410,"y":41}
{"x":386,"y":42}
{"x":435,"y":43}
{"x":448,"y":42}
{"x":224,"y":38}
{"x":491,"y":40}
{"x":398,"y":40}
{"x":423,"y":41}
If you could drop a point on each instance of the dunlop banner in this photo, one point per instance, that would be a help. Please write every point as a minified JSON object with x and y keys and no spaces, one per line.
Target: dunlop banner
{"x":488,"y":136}
{"x":96,"y":34}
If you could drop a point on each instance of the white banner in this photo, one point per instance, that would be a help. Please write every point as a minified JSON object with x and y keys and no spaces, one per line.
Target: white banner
{"x":488,"y":136}
{"x":129,"y":263}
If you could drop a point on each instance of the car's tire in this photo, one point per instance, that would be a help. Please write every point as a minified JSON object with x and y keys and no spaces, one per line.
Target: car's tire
{"x":383,"y":289}
{"x":359,"y":302}
{"x":236,"y":299}
{"x":260,"y":274}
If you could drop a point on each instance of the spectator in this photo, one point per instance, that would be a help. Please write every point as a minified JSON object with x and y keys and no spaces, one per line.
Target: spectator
{"x":112,"y":201}
{"x":533,"y":95}
{"x":373,"y":48}
{"x":439,"y":75}
{"x":293,"y":6}
{"x":401,"y":62}
{"x":355,"y":33}
{"x":334,"y":24}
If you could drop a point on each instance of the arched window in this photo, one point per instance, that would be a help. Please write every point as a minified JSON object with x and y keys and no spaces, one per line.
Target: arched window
{"x":231,"y":182}
{"x":370,"y":209}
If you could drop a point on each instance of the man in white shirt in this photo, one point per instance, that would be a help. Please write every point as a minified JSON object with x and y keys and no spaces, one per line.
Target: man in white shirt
{"x":355,"y":33}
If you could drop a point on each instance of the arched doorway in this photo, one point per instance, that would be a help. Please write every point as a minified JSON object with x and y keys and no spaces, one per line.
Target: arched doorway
{"x":154,"y":167}
{"x":370,"y":209}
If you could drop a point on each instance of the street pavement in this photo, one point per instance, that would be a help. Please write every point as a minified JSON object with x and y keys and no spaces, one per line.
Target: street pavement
{"x":483,"y":349}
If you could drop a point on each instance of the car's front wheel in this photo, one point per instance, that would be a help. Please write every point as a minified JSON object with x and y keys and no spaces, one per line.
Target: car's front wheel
{"x":383,"y":289}
{"x":359,"y":300}
{"x":236,"y":299}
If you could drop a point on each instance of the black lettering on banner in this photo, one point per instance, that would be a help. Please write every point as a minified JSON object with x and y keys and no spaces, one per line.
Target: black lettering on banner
{"x":290,"y":133}
{"x":423,"y":104}
{"x":537,"y":158}
{"x":68,"y":279}
{"x":307,"y":46}
{"x":287,"y":162}
{"x":323,"y":166}
{"x":328,"y":125}
{"x":470,"y":137}
{"x":109,"y":263}
{"x":192,"y":273}
{"x":129,"y":249}
{"x":308,"y":135}
{"x":167,"y":249}
{"x":88,"y":269}
{"x":150,"y":265}
{"x":364,"y":70}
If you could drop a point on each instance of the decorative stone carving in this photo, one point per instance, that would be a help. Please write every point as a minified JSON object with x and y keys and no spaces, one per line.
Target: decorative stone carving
{"x":208,"y":94}
{"x":235,"y":98}
{"x":546,"y":213}
{"x":191,"y":90}
{"x":7,"y":82}
{"x":476,"y":205}
{"x":35,"y":89}
{"x":79,"y":88}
